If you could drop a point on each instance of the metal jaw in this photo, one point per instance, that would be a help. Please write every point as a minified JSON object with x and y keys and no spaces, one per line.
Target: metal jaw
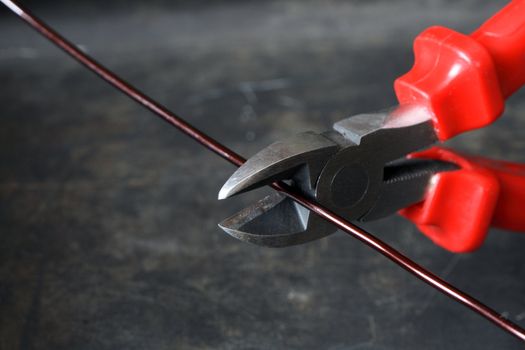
{"x":349,"y":170}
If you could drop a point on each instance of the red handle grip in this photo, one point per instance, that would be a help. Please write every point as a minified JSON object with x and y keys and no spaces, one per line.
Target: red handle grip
{"x":464,"y":80}
{"x":504,"y":37}
{"x":461,"y":205}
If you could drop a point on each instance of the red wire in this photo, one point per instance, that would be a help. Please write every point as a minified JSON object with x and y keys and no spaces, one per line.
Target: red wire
{"x":213,"y":145}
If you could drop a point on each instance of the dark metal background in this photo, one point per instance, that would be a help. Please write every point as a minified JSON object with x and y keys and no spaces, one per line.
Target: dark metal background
{"x":108,"y":235}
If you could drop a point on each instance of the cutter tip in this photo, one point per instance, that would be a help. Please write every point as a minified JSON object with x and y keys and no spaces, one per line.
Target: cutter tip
{"x":235,"y":184}
{"x":224,"y":192}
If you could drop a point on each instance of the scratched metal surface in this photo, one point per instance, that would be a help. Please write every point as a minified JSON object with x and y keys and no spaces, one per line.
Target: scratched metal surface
{"x":108,"y":217}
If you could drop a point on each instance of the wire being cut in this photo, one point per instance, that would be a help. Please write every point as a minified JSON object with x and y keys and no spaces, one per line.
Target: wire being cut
{"x":213,"y":145}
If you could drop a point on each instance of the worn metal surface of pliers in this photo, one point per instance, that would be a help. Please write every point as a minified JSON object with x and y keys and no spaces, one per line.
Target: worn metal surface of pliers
{"x":366,"y":168}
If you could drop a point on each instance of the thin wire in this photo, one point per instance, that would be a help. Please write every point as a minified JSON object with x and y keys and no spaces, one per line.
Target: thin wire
{"x":213,"y":145}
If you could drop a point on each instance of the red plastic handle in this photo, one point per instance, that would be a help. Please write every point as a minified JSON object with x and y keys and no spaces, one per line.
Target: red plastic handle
{"x":464,"y":80}
{"x":461,"y":205}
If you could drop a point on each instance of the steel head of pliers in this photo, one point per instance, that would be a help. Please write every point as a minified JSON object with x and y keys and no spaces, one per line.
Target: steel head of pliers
{"x":357,"y":170}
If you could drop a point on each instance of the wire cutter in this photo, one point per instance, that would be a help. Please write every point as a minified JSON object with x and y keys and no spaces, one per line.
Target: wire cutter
{"x":371,"y":165}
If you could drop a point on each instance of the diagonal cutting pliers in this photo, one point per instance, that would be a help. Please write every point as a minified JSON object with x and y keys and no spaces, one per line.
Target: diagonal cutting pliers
{"x":371,"y":165}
